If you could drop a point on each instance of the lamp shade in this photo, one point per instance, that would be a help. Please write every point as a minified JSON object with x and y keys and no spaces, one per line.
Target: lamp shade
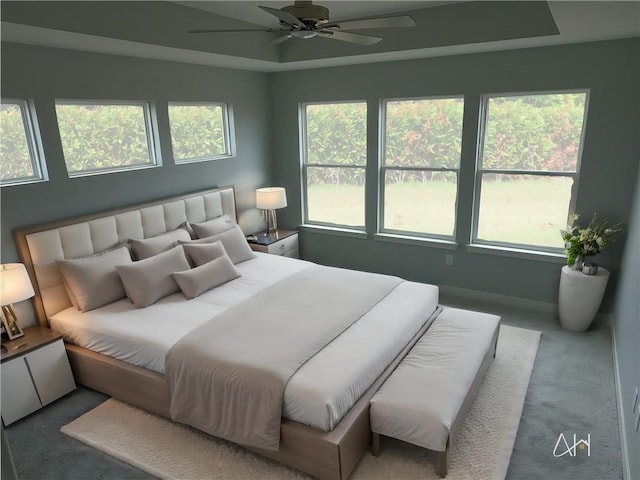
{"x":15,"y":285}
{"x":271,"y":198}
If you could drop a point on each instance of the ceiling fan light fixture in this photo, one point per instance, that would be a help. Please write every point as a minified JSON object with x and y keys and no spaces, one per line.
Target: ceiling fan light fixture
{"x":304,"y":33}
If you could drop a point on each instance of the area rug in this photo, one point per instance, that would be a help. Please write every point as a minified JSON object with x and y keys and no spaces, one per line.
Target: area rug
{"x":171,"y":451}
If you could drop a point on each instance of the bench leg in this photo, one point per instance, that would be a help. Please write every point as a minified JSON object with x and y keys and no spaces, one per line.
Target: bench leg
{"x":441,"y":469}
{"x":375,"y":444}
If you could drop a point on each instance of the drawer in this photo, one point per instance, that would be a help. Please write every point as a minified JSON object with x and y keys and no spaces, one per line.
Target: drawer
{"x":293,"y":253}
{"x":281,"y":247}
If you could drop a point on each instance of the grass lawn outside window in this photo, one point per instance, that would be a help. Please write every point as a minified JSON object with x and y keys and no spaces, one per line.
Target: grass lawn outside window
{"x":535,"y":220}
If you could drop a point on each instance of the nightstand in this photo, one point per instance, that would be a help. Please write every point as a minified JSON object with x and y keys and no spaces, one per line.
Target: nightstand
{"x":283,"y":242}
{"x":34,"y":372}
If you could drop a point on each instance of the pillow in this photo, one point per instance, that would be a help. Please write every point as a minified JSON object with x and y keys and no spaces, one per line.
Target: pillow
{"x":205,"y":277}
{"x":234,"y":244}
{"x":204,"y":252}
{"x":67,"y":288}
{"x":160,"y":243}
{"x":147,"y":281}
{"x":213,"y":227}
{"x":93,"y":281}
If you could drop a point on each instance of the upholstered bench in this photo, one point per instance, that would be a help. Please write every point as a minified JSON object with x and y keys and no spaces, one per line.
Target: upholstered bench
{"x":424,"y":400}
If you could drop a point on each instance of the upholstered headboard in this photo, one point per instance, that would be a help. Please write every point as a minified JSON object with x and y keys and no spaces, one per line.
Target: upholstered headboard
{"x":41,"y":246}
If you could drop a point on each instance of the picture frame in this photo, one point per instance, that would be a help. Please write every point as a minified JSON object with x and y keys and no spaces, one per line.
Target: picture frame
{"x":11,"y":327}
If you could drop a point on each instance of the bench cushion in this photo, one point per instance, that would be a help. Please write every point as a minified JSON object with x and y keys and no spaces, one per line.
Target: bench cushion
{"x":422,"y":398}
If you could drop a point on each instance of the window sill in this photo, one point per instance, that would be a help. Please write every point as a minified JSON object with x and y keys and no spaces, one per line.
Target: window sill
{"x":420,"y":241}
{"x":336,"y":231}
{"x":92,"y":173}
{"x":212,"y":158}
{"x":17,"y":183}
{"x":522,"y":253}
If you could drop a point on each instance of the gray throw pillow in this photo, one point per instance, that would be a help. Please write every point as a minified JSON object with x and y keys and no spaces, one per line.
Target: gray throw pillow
{"x":205,"y":277}
{"x":147,"y":281}
{"x":160,"y":243}
{"x":93,"y":281}
{"x":212,"y":227}
{"x":204,"y":252}
{"x":234,"y":242}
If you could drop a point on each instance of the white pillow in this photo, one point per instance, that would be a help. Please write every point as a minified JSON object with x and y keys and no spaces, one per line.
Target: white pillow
{"x":160,"y":243}
{"x":204,"y":252}
{"x":205,"y":277}
{"x":212,"y":227}
{"x":234,"y":244}
{"x":147,"y":281}
{"x":93,"y":281}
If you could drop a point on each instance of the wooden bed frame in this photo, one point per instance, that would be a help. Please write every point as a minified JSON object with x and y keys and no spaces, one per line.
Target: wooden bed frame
{"x":327,"y":455}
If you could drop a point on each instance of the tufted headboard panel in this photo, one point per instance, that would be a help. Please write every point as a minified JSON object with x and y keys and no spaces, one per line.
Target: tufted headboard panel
{"x":41,"y":246}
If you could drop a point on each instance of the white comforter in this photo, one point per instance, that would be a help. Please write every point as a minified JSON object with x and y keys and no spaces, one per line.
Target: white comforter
{"x":319,"y":394}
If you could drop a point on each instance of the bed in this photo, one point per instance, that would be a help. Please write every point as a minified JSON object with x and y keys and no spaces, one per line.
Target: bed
{"x":127,"y":352}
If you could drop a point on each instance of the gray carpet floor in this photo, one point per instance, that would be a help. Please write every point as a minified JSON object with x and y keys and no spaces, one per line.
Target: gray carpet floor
{"x":571,"y":391}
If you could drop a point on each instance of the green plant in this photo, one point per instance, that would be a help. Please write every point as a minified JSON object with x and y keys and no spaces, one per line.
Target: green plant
{"x":586,"y":242}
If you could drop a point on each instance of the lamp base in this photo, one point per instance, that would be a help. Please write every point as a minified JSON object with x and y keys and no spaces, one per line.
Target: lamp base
{"x":10,"y":323}
{"x":272,"y":223}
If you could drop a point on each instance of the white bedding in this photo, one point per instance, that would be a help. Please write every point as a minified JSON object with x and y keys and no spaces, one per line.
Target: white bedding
{"x":319,"y":394}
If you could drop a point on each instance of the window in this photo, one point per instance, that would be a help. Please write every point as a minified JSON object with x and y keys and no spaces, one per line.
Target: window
{"x":199,"y":131}
{"x":334,"y":158}
{"x":422,"y":142}
{"x":20,"y":153}
{"x":105,"y":137}
{"x":528,"y":161}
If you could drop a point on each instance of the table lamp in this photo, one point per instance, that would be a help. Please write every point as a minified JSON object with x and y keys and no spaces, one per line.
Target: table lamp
{"x":269,"y":199}
{"x":15,"y":286}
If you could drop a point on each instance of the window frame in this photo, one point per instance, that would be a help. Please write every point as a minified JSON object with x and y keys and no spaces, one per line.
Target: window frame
{"x":228,"y":128}
{"x":34,"y":143}
{"x":479,"y":171}
{"x":151,"y":129}
{"x":382,"y":169}
{"x":302,"y":120}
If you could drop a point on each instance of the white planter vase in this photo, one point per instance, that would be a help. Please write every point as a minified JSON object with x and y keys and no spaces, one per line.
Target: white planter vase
{"x":580,"y":297}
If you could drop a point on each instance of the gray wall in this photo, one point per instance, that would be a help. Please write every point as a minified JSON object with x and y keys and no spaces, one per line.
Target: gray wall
{"x":626,"y":330}
{"x":609,"y":163}
{"x":45,"y":74}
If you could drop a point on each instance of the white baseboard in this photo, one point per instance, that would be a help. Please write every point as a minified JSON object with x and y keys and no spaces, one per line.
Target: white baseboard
{"x":626,"y":468}
{"x":508,"y":301}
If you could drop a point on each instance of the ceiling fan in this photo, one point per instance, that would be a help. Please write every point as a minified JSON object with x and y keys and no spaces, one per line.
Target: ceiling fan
{"x":305,"y":20}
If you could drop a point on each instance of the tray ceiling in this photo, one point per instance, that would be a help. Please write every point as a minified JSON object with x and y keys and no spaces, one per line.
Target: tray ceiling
{"x":159,"y":30}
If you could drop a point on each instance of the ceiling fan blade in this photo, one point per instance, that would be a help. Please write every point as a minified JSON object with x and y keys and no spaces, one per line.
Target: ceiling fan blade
{"x":380,"y":22}
{"x":349,"y":37}
{"x":238,"y":30}
{"x":284,"y":16}
{"x":279,"y":40}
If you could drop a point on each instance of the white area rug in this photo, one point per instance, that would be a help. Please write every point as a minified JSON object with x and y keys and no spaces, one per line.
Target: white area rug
{"x":172,"y":451}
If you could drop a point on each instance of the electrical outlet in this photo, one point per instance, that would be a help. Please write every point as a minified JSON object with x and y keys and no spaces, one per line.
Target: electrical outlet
{"x":448,"y":259}
{"x":635,"y":401}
